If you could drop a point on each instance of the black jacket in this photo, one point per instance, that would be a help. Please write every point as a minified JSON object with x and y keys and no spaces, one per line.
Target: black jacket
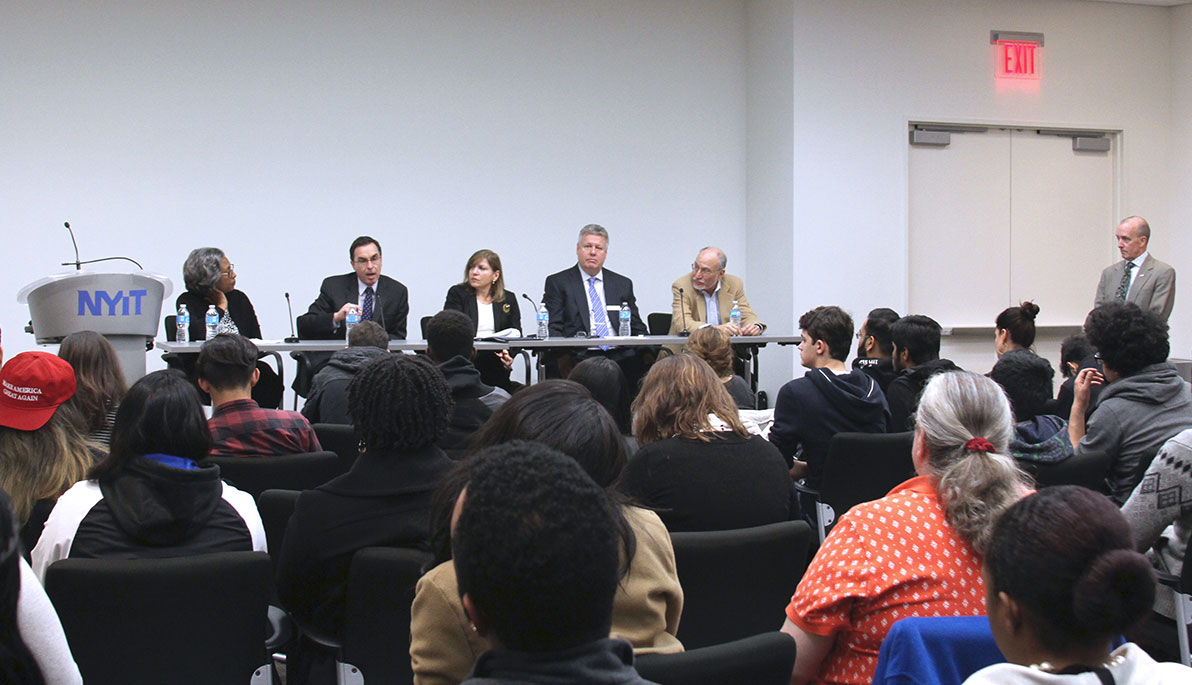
{"x":328,"y":398}
{"x":506,"y":314}
{"x":566,"y":299}
{"x":903,"y":394}
{"x":392,"y":306}
{"x":880,"y":370}
{"x":474,"y":401}
{"x":239,"y":308}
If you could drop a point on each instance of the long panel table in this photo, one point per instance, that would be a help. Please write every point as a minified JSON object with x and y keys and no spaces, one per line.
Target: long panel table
{"x":534,"y":345}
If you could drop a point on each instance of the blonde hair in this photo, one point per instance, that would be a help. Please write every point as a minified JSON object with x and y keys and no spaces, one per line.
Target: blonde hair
{"x":497,"y":290}
{"x":974,"y":486}
{"x":677,"y":398}
{"x":711,"y":345}
{"x":44,"y":463}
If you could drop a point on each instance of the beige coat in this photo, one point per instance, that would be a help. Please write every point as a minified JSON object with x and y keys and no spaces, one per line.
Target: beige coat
{"x":646,"y":609}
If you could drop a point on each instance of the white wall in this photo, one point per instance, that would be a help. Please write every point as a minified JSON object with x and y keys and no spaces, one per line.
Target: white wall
{"x":281,"y":130}
{"x":864,"y":68}
{"x":1180,"y":224}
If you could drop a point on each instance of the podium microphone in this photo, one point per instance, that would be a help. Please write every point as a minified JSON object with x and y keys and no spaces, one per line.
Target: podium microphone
{"x":293,"y":336}
{"x":79,"y":265}
{"x":684,"y":333}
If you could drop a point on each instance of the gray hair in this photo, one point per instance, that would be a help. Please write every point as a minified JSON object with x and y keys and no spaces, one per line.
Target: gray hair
{"x":720,"y":256}
{"x":200,"y":271}
{"x":592,"y":229}
{"x":974,"y":486}
{"x":1143,"y":228}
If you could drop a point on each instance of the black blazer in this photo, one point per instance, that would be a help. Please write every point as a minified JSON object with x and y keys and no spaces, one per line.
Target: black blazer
{"x":462,"y":298}
{"x":392,"y":302}
{"x":566,"y":297}
{"x":239,"y":308}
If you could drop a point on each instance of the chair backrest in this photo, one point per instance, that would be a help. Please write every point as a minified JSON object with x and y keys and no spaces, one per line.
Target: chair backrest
{"x":341,"y":439}
{"x":422,"y":325}
{"x":172,"y":328}
{"x":862,"y":467}
{"x":276,"y":506}
{"x":255,"y":475}
{"x":195,"y":619}
{"x":736,"y":583}
{"x":1086,"y":470}
{"x":376,"y":634}
{"x":765,"y":659}
{"x":658,"y":322}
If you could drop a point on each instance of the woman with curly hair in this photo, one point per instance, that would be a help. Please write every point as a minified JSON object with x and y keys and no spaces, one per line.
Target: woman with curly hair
{"x":99,"y":381}
{"x":711,"y":344}
{"x":916,"y":551}
{"x":1062,"y":581}
{"x":696,"y":464}
{"x":400,"y":405}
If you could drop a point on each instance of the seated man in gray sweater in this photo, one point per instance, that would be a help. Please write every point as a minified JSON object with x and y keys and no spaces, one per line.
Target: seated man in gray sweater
{"x":328,"y":399}
{"x":1145,"y":402}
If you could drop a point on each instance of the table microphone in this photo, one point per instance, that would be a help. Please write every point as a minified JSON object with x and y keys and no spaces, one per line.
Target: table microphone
{"x":293,"y":336}
{"x":683,"y":309}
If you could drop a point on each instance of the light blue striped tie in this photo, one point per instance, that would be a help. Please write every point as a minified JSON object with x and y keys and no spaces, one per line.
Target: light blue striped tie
{"x":599,"y":316}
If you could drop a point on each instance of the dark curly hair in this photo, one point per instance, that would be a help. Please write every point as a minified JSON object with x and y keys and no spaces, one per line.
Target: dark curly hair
{"x":1027,"y":378}
{"x":449,"y":334}
{"x":831,"y":324}
{"x":399,"y":402}
{"x":1127,"y":337}
{"x":1067,"y":554}
{"x":1075,"y":348}
{"x":535,"y":548}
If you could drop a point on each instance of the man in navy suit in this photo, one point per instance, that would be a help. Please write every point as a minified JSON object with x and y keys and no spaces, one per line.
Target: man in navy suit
{"x":583,"y":299}
{"x":380,"y":298}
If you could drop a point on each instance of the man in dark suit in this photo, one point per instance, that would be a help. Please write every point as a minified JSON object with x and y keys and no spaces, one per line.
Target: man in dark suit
{"x":583,"y":299}
{"x":380,"y":298}
{"x":1139,"y":278}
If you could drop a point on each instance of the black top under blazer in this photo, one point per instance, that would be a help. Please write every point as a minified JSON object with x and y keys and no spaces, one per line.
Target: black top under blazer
{"x":462,"y":298}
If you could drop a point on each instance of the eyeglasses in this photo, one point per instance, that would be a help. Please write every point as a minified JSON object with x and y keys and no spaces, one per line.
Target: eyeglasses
{"x":702,"y":271}
{"x":1097,"y":356}
{"x":231,"y":270}
{"x":375,"y":259}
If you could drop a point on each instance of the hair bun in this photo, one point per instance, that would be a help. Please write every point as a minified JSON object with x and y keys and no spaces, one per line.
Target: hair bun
{"x":1029,"y":310}
{"x":1115,"y":591}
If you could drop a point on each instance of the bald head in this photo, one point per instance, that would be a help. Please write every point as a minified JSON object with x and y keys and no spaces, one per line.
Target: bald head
{"x":708,"y":269}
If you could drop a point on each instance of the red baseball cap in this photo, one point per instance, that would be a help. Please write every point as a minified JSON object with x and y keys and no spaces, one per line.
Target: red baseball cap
{"x":32,"y":386}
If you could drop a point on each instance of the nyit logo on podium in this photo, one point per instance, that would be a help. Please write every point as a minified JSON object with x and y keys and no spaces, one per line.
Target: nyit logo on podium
{"x":103,"y":303}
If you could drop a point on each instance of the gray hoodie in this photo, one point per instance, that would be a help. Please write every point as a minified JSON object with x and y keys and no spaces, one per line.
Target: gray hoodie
{"x":1133,"y":418}
{"x":327,"y":401}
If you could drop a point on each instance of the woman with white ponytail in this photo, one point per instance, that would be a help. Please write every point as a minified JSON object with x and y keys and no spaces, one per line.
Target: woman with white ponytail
{"x":916,"y":551}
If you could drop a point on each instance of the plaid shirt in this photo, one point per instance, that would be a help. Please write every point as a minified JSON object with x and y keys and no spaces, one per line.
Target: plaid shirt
{"x":240,"y":428}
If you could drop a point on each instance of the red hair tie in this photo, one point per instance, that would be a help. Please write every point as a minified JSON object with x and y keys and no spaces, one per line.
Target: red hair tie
{"x":979,"y":445}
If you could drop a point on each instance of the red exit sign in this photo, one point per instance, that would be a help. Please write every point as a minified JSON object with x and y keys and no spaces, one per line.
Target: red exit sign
{"x":1018,"y":60}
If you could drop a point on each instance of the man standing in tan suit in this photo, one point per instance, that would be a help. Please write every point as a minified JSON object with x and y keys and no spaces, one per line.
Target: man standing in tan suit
{"x":709,"y":288}
{"x":1139,"y":278}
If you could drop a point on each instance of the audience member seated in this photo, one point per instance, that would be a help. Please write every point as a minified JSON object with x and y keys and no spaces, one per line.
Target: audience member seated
{"x":152,"y":495}
{"x":1076,"y":353}
{"x":1161,"y":521}
{"x":875,"y":348}
{"x":33,"y":648}
{"x":227,"y":371}
{"x":916,"y":341}
{"x":829,"y":399}
{"x":99,"y":382}
{"x":696,"y":465}
{"x":328,"y":398}
{"x":449,"y":344}
{"x":1061,"y":584}
{"x":1015,"y":328}
{"x":711,"y":344}
{"x":402,"y":406}
{"x":1027,"y":378}
{"x":1145,"y":402}
{"x":535,"y":547}
{"x":43,"y":450}
{"x":648,"y":601}
{"x":211,"y":280}
{"x":493,"y":311}
{"x":606,"y":381}
{"x":916,"y":551}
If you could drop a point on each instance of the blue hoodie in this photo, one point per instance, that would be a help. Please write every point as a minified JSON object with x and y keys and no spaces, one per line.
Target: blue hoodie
{"x":811,"y":409}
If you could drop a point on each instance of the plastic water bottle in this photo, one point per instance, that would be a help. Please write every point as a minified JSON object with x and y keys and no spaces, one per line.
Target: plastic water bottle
{"x":352,"y":319}
{"x":212,"y":322}
{"x":624,"y":316}
{"x":183,"y":321}
{"x":734,"y":315}
{"x":543,"y":322}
